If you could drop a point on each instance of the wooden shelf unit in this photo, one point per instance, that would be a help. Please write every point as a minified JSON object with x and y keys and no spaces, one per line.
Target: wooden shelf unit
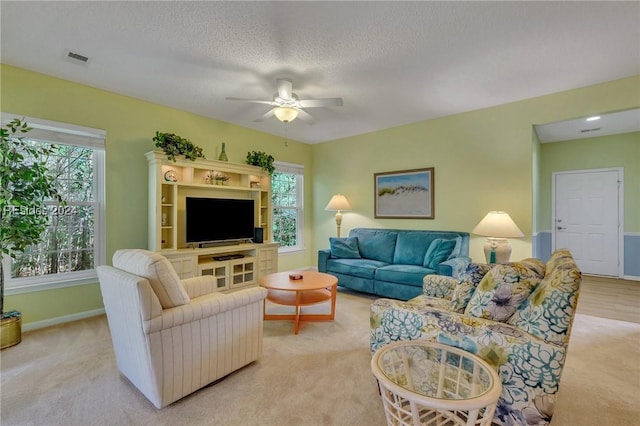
{"x":257,"y":260}
{"x":167,"y":224}
{"x":196,"y":179}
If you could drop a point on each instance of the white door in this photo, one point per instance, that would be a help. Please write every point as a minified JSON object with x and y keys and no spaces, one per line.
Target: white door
{"x":588,"y":218}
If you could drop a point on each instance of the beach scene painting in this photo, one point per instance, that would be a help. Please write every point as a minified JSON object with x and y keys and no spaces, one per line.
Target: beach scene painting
{"x":406,"y":194}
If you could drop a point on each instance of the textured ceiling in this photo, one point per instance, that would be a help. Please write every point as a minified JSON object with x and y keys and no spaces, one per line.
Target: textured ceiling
{"x":392,"y":62}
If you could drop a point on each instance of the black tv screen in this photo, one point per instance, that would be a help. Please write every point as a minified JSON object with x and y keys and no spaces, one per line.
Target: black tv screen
{"x":218,"y":219}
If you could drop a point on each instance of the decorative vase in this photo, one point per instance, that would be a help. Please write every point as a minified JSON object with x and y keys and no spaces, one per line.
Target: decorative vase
{"x":223,"y":154}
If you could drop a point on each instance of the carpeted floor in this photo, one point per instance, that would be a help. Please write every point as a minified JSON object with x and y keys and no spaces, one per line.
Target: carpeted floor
{"x":66,"y":375}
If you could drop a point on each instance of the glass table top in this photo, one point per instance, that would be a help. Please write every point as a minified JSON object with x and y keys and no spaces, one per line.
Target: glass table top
{"x":435,"y":370}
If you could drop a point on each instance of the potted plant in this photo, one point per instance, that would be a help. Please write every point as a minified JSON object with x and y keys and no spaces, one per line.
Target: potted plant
{"x":24,"y":185}
{"x":173,"y":145}
{"x":261,"y":159}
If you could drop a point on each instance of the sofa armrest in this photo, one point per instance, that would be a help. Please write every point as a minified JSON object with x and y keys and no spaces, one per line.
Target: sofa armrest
{"x":440,"y":286}
{"x":199,"y":286}
{"x":323,"y":256}
{"x":203,"y":307}
{"x":454,"y":267}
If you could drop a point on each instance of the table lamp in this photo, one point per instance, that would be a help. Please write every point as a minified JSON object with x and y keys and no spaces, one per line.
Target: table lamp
{"x":339,"y":204}
{"x":497,"y":226}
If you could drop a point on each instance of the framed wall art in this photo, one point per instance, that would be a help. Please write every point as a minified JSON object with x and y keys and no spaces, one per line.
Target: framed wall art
{"x":405,"y":194}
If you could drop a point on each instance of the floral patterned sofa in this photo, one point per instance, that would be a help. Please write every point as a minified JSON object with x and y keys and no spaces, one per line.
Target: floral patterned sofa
{"x":516,"y":316}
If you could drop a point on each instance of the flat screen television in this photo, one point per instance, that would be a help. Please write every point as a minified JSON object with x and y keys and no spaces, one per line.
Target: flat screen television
{"x":218,"y":220}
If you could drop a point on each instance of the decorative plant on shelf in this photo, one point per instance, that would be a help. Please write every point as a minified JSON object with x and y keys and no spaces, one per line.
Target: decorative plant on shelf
{"x":173,"y":145}
{"x":24,"y":185}
{"x":264,"y":160}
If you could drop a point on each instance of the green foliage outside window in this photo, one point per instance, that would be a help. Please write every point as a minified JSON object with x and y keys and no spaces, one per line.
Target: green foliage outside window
{"x":285,"y":209}
{"x":67,"y":242}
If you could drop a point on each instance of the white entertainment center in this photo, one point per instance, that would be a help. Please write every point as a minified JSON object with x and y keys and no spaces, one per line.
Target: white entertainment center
{"x":235,"y":265}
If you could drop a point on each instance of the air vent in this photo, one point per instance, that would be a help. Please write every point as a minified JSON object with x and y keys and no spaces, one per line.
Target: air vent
{"x":77,"y":56}
{"x":591,"y":130}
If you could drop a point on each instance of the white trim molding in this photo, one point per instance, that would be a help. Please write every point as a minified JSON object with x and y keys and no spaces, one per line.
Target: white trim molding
{"x":35,"y":325}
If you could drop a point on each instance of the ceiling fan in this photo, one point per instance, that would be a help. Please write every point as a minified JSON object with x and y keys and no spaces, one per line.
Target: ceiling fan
{"x":287,"y":106}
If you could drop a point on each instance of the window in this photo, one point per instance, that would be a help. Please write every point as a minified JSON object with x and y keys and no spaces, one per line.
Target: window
{"x":73,"y":244}
{"x":286,"y":194}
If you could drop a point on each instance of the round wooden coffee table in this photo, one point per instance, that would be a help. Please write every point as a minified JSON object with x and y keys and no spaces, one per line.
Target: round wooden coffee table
{"x":313,"y":288}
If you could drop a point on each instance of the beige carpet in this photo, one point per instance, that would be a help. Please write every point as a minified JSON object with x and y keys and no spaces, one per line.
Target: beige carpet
{"x":66,"y":375}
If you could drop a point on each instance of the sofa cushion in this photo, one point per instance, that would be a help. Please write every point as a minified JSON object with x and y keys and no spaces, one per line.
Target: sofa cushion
{"x":439,"y":251}
{"x":376,"y":244}
{"x":158,"y":270}
{"x":403,"y":274}
{"x":502,"y":290}
{"x":456,"y":249}
{"x":548,"y":311}
{"x":411,"y":248}
{"x":363,"y":268}
{"x":462,"y":293}
{"x":344,"y":248}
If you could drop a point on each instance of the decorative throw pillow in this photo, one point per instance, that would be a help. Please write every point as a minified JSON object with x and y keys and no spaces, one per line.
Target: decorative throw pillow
{"x":464,"y":290}
{"x":439,"y":251}
{"x":344,"y":248}
{"x":502,"y":290}
{"x":535,"y":265}
{"x":456,"y":250}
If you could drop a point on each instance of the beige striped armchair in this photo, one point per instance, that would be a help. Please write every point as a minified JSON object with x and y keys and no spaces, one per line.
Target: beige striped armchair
{"x":174,"y":337}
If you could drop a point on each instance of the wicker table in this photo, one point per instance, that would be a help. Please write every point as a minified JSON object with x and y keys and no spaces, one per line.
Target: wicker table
{"x":426,"y":383}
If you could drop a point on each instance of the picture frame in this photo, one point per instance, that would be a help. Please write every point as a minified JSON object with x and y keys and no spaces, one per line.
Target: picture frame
{"x":405,"y":194}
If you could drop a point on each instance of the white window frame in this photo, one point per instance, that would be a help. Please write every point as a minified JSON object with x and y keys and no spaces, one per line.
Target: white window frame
{"x":67,"y":134}
{"x":298,"y":170}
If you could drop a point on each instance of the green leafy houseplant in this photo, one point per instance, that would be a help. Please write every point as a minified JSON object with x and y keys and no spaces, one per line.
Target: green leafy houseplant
{"x":173,"y":145}
{"x":24,"y":185}
{"x":258,"y":158}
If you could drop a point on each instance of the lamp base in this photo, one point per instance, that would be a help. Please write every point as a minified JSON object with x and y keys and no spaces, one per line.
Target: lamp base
{"x":338,"y":221}
{"x":497,"y":250}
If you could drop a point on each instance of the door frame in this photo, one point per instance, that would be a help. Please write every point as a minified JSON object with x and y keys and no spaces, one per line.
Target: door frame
{"x":620,"y":171}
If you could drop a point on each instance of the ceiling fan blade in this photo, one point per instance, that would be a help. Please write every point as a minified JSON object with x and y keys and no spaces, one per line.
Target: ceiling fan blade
{"x":314,"y":103}
{"x":266,"y":115}
{"x":285,"y":89}
{"x":255,"y":101}
{"x":305,"y":116}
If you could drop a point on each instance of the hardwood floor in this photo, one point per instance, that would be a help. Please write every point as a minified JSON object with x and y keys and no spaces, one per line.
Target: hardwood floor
{"x":610,"y":298}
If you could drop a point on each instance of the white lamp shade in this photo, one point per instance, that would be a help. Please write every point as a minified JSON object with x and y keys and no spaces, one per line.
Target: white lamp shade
{"x":338,"y":202}
{"x":498,"y":224}
{"x":285,"y":114}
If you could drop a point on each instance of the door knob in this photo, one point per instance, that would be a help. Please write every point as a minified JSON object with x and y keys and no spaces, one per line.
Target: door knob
{"x":560,"y":228}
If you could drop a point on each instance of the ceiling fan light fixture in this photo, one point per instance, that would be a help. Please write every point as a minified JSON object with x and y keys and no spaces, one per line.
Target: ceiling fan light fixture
{"x":285,"y":114}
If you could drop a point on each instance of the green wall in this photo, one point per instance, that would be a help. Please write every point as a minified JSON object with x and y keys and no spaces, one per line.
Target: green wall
{"x":130,"y":124}
{"x":621,"y":150}
{"x":484,"y":160}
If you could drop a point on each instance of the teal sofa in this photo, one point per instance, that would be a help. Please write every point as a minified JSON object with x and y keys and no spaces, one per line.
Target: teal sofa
{"x":393,"y":262}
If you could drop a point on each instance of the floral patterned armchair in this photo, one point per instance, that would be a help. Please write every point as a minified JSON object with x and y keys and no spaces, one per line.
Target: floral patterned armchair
{"x":516,"y":316}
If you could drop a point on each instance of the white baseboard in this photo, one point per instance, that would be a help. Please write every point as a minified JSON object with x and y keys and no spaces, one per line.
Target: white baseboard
{"x":631,"y":277}
{"x":61,"y":320}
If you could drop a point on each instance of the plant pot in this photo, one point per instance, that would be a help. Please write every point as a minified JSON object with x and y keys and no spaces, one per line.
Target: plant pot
{"x":10,"y":329}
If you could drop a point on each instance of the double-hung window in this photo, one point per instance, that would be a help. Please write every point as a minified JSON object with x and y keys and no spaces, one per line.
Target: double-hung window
{"x":287,"y":212}
{"x":73,"y":244}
